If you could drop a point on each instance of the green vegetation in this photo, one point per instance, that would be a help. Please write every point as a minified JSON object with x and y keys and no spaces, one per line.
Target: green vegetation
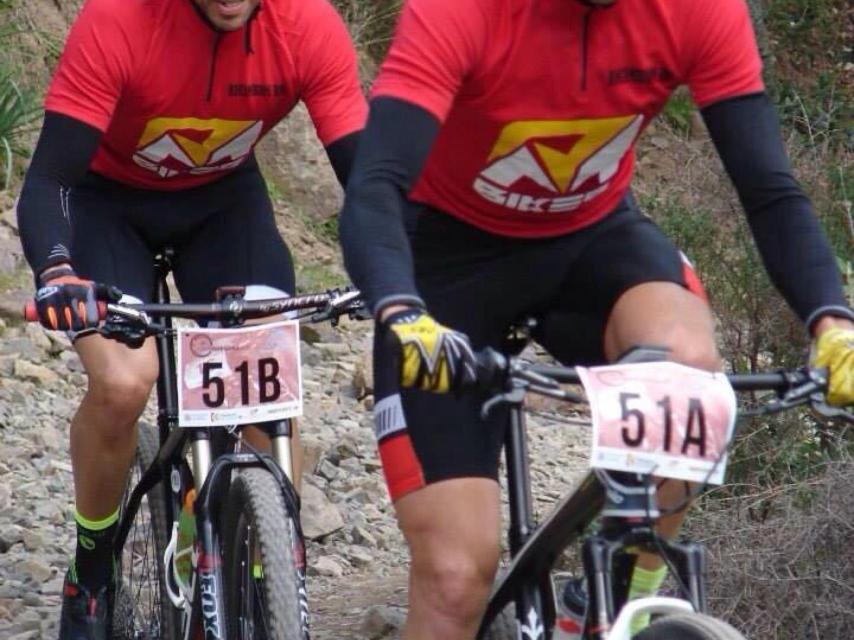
{"x":18,"y":107}
{"x":679,"y":112}
{"x":17,"y":112}
{"x":312,"y":276}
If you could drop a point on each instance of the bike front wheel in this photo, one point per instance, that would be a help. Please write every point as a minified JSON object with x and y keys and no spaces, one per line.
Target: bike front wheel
{"x":689,"y":626}
{"x":263,"y":562}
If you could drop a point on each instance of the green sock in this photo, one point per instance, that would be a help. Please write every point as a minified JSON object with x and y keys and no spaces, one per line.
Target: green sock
{"x":644,"y":584}
{"x":93,"y":561}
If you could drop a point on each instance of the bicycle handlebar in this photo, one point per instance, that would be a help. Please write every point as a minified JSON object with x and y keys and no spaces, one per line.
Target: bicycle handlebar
{"x":231,"y":309}
{"x":792,"y":387}
{"x":131,"y":323}
{"x":492,"y":365}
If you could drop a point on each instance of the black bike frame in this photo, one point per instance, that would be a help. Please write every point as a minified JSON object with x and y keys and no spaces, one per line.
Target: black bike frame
{"x":607,"y":555}
{"x":209,"y":611}
{"x":535,"y":548}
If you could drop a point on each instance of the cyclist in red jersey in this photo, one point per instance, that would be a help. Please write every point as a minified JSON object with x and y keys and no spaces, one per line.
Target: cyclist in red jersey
{"x":492,"y":183}
{"x":151,"y":120}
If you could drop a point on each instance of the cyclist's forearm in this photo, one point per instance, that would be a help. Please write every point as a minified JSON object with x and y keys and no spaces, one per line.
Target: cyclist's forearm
{"x":790,"y":239}
{"x":61,"y":159}
{"x":341,"y":154}
{"x":376,"y":249}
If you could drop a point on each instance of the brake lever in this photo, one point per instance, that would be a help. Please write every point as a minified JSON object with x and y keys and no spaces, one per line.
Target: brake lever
{"x":558,"y":393}
{"x":811,"y":391}
{"x":129,"y":313}
{"x":342,"y":301}
{"x":516,"y":396}
{"x":519,"y":371}
{"x":818,"y":404}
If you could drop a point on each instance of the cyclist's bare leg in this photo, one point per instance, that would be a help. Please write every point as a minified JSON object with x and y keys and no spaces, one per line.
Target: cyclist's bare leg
{"x":664,"y":314}
{"x":452,"y":529}
{"x":103,"y":431}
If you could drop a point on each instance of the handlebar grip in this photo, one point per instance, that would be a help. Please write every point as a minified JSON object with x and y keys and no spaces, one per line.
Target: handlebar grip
{"x":31,"y":314}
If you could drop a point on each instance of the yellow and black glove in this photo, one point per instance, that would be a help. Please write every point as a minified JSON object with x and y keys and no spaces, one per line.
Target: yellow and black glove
{"x":433,"y":357}
{"x":834,"y":350}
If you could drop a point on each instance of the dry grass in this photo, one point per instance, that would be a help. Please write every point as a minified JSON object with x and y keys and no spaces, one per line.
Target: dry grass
{"x":782,"y":562}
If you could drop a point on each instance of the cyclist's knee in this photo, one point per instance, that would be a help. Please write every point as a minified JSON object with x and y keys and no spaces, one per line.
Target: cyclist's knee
{"x":121,"y":392}
{"x":456,"y":584}
{"x":693,"y":349}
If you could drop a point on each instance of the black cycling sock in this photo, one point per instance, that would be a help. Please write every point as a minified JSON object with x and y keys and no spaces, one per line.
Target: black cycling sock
{"x":93,"y":562}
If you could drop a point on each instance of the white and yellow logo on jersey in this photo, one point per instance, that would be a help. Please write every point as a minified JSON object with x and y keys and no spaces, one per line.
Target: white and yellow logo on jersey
{"x":175,"y":146}
{"x":555,"y":165}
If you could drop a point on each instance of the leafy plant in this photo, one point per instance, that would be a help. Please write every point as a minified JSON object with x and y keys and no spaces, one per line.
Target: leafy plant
{"x":679,"y":112}
{"x":17,"y":111}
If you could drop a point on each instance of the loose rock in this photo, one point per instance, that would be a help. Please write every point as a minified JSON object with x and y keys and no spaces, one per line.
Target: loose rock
{"x":35,"y":372}
{"x":319,"y":516}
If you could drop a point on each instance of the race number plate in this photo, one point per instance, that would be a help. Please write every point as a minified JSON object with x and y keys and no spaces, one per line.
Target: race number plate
{"x":240,"y":375}
{"x":661,"y":418}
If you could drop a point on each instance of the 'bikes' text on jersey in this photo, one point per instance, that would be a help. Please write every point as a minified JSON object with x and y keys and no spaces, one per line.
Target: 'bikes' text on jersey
{"x":542,"y":101}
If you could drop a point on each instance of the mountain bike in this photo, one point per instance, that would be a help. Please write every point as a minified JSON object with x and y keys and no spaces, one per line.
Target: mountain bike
{"x":612,"y":511}
{"x":209,"y":543}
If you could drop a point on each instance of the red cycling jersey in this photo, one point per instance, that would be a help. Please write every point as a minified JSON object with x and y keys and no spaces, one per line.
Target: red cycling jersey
{"x":180,"y":103}
{"x":541,"y":101}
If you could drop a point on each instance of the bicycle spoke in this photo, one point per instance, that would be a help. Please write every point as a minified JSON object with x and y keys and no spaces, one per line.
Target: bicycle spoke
{"x":140,"y":589}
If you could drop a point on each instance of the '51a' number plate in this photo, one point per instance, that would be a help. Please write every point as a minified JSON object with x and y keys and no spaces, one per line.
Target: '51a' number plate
{"x":661,"y":418}
{"x":240,"y":375}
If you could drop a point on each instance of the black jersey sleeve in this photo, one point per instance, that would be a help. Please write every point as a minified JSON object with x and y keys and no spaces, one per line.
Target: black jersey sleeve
{"x":392,"y":151}
{"x":341,"y":154}
{"x":62,"y":156}
{"x":794,"y":249}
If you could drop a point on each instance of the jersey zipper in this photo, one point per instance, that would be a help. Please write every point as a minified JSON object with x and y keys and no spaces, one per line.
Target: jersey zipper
{"x":584,"y":39}
{"x":213,"y":66}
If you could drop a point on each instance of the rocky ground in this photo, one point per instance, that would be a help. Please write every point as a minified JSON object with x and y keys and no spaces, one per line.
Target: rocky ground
{"x":357,"y":571}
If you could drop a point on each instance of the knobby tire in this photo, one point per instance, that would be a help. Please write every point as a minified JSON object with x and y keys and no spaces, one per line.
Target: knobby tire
{"x":689,"y":626}
{"x":257,"y":527}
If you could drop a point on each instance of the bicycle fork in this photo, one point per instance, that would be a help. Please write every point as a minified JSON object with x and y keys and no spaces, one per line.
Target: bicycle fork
{"x":211,"y":478}
{"x":602,"y":553}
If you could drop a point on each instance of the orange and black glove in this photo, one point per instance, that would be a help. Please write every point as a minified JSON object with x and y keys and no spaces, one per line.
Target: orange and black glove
{"x":66,"y":302}
{"x":433,"y":357}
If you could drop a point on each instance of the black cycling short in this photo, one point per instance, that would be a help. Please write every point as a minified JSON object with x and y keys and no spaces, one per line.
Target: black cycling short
{"x":481,"y":284}
{"x":223,"y":233}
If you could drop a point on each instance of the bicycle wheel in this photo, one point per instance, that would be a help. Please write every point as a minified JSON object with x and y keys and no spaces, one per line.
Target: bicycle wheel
{"x":143,"y":610}
{"x":689,"y":626}
{"x":263,"y":562}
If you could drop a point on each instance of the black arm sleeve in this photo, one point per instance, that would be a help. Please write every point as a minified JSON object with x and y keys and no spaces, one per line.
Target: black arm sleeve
{"x":392,"y":151}
{"x":790,"y":239}
{"x":341,"y":154}
{"x":62,"y":156}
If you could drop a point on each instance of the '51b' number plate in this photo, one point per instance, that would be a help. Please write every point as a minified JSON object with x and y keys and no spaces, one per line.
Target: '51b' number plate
{"x":239,"y":376}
